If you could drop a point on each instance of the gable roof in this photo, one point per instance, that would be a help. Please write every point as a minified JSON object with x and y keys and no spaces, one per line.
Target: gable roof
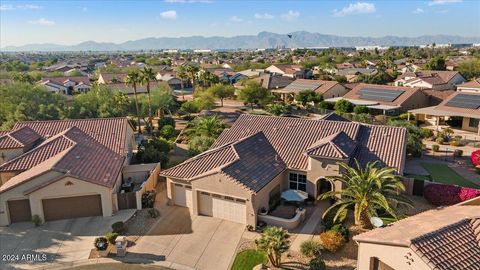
{"x":19,"y":138}
{"x":354,"y":94}
{"x":318,"y":86}
{"x":465,"y":111}
{"x":64,"y":79}
{"x":72,"y":153}
{"x":291,"y":137}
{"x":475,"y":83}
{"x":453,"y":247}
{"x":333,"y":117}
{"x":110,"y":132}
{"x":338,"y":146}
{"x":250,"y":161}
{"x":444,"y":75}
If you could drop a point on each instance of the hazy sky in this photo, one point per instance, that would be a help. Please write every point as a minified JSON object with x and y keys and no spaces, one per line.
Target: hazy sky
{"x":71,"y":22}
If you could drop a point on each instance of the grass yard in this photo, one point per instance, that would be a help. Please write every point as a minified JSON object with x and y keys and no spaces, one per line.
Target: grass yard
{"x":443,"y":174}
{"x":248,"y":259}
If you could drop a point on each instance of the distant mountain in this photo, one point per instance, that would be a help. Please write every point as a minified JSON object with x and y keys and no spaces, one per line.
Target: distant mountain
{"x":262,"y":40}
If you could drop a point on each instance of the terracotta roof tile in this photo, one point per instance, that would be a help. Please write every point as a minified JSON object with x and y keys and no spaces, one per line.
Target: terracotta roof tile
{"x":338,"y":145}
{"x":19,"y":138}
{"x":318,"y":86}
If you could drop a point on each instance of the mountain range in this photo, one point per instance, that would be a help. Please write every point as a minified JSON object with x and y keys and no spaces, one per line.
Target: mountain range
{"x":298,"y":39}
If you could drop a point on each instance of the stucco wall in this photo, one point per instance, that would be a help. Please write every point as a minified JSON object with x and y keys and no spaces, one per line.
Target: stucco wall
{"x":5,"y":176}
{"x":415,"y":101}
{"x":465,"y":125}
{"x":336,"y":91}
{"x":318,"y":169}
{"x":394,"y":256}
{"x":262,"y":198}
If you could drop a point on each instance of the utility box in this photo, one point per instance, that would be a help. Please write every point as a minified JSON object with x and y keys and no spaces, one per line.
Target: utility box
{"x":121,"y":245}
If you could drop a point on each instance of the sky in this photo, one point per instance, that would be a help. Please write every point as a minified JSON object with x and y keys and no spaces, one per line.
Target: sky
{"x":72,"y":22}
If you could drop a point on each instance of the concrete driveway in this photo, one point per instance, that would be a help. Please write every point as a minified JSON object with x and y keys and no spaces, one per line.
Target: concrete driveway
{"x":197,"y":242}
{"x":53,"y":242}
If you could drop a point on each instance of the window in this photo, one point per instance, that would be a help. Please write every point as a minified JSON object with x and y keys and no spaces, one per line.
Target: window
{"x":473,"y":122}
{"x":297,"y":181}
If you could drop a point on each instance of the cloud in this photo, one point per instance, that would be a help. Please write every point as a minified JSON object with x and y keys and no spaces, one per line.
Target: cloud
{"x":169,"y":14}
{"x":290,"y":15}
{"x":418,"y":11}
{"x":357,"y":8}
{"x":236,"y":19}
{"x":18,"y":7}
{"x":442,"y":2}
{"x":264,"y":16}
{"x":42,"y":21}
{"x":188,"y":1}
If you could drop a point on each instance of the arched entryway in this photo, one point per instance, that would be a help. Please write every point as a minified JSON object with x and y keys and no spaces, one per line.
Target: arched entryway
{"x":324,"y":185}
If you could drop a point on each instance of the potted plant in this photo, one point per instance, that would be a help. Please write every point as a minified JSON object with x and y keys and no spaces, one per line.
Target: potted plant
{"x":263,"y":211}
{"x":101,"y":243}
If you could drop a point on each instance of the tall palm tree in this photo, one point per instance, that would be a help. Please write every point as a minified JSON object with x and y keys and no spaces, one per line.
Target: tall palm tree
{"x":132,"y":79}
{"x":192,"y":75}
{"x":182,"y":74}
{"x":369,"y":190}
{"x":146,"y":76}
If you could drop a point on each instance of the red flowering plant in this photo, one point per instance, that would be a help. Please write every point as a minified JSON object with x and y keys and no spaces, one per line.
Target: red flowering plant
{"x":439,"y":194}
{"x":475,"y":158}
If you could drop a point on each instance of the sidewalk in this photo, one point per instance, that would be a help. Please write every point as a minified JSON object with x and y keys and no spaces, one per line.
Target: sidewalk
{"x":308,"y":230}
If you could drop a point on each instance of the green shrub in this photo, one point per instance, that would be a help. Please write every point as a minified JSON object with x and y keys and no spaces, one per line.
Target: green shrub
{"x":343,"y":106}
{"x":317,"y":264}
{"x":111,"y":236}
{"x":404,"y":116}
{"x":360,"y":109}
{"x":118,"y":227}
{"x":426,"y":133}
{"x":311,"y":248}
{"x":457,"y":153}
{"x":332,"y":240}
{"x":328,"y":222}
{"x":166,"y":121}
{"x":36,"y":220}
{"x":167,"y":131}
{"x":343,"y":230}
{"x":440,"y":140}
{"x":435,"y":148}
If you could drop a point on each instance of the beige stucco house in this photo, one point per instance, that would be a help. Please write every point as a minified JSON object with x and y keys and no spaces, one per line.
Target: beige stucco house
{"x":251,"y":163}
{"x":444,"y":239}
{"x":328,"y":89}
{"x":72,"y":168}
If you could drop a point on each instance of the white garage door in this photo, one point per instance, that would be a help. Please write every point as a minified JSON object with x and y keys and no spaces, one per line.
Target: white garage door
{"x":223,"y":207}
{"x":183,"y":195}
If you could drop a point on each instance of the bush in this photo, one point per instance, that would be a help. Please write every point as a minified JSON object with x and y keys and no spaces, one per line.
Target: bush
{"x":435,"y":148}
{"x":440,"y":140}
{"x":199,"y":144}
{"x":328,"y":222}
{"x":317,"y":264}
{"x":100,"y":243}
{"x":360,"y":109}
{"x":439,"y":194}
{"x":404,"y":116}
{"x":166,"y":121}
{"x":36,"y":220}
{"x":343,"y":230}
{"x":426,"y":133}
{"x":475,"y":158}
{"x":167,"y":131}
{"x":311,"y":248}
{"x":111,"y":236}
{"x":332,"y":240}
{"x":343,"y":106}
{"x":454,"y":143}
{"x":118,"y":227}
{"x":458,"y":153}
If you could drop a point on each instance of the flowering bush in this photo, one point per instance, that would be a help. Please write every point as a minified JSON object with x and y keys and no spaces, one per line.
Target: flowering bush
{"x":332,"y":240}
{"x":439,"y":194}
{"x":475,"y":158}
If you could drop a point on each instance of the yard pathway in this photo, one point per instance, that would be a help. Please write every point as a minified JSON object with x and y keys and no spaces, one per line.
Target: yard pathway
{"x":308,"y":230}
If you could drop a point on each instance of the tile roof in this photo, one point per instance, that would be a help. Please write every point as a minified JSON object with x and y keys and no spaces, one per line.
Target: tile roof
{"x":108,"y":131}
{"x":250,"y":161}
{"x":471,"y":84}
{"x":333,"y":117}
{"x":62,"y":80}
{"x":407,"y":93}
{"x":472,"y":112}
{"x":318,"y":86}
{"x":73,"y":153}
{"x":444,"y":75}
{"x":338,"y":146}
{"x":291,"y":137}
{"x":453,"y":247}
{"x":19,"y":138}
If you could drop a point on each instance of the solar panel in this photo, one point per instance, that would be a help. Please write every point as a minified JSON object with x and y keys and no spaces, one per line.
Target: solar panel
{"x":300,"y":86}
{"x":380,"y":94}
{"x":464,"y":101}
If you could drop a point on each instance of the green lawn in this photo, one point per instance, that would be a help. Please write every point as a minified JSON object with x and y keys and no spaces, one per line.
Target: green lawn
{"x":248,"y":259}
{"x":443,"y":174}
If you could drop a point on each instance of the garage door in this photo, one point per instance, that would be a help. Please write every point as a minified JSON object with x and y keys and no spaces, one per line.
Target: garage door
{"x":183,"y":195}
{"x":19,"y":211}
{"x":72,"y":207}
{"x":223,"y":207}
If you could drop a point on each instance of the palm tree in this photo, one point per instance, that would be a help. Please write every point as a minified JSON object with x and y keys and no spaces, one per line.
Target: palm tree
{"x":192,"y":75}
{"x":132,"y":79}
{"x":209,"y":126}
{"x":368,"y":190}
{"x":182,"y":74}
{"x":274,"y":241}
{"x":146,"y":76}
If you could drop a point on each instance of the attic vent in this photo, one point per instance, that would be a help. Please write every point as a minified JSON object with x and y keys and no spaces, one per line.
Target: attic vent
{"x":68,"y":183}
{"x":78,"y":157}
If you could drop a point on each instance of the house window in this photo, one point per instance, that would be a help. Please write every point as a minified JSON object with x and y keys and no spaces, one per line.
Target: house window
{"x":297,"y":181}
{"x":473,"y":122}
